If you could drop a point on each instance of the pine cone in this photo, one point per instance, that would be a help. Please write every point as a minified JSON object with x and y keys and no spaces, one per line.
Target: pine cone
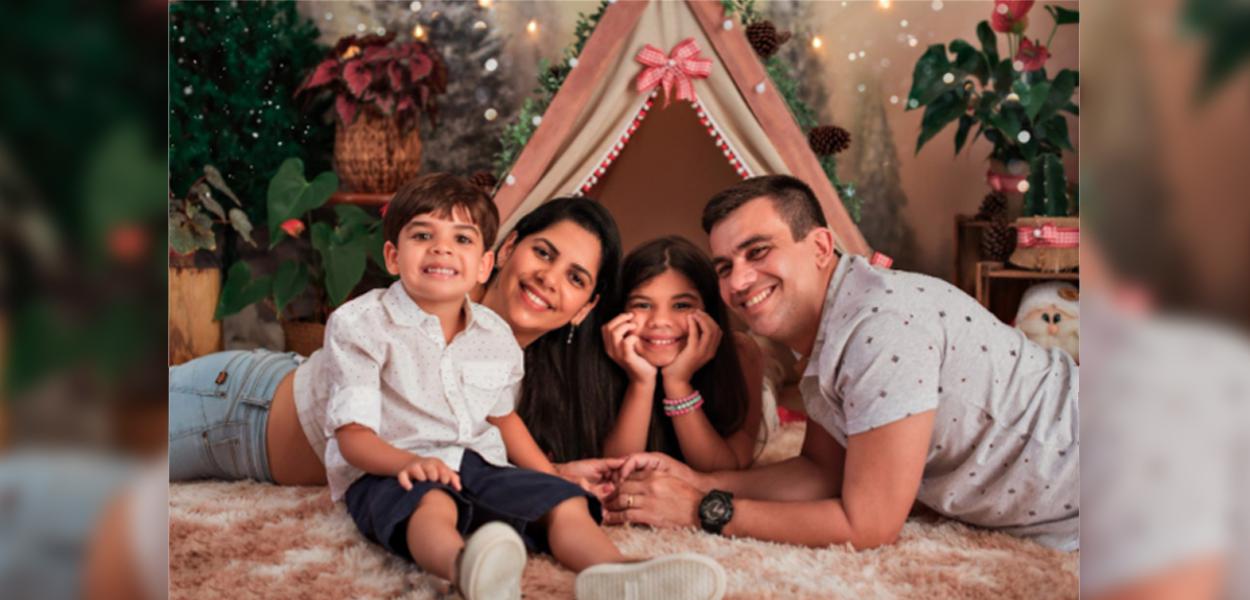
{"x":485,"y":180}
{"x":763,"y":37}
{"x":993,"y":205}
{"x":999,"y":240}
{"x":828,"y":139}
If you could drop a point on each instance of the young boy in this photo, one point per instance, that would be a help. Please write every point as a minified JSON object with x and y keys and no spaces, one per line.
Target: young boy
{"x":421,"y":385}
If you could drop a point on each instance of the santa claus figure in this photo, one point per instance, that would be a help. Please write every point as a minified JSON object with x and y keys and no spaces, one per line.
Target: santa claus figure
{"x":1051,"y":316}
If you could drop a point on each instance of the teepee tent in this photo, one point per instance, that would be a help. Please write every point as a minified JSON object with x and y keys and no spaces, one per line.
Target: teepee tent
{"x":666,"y":105}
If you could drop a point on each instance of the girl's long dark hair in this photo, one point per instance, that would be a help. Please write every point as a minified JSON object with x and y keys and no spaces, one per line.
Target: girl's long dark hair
{"x":571,"y":390}
{"x":720,"y":381}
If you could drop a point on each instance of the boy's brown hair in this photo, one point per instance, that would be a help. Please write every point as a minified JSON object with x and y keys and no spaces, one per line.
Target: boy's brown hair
{"x":439,"y":194}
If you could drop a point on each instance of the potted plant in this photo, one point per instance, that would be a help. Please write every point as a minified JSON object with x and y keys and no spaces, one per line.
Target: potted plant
{"x":194,"y":264}
{"x":327,"y":267}
{"x":380,"y":90}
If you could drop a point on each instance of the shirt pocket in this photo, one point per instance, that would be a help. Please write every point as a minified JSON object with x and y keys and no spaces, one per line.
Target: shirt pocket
{"x":485,"y":384}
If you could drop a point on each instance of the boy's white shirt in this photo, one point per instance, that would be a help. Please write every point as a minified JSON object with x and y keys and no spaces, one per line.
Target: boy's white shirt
{"x":385,"y":366}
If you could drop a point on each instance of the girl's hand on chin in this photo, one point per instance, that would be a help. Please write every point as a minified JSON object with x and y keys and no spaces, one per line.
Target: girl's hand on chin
{"x":620,"y":341}
{"x":702,"y":339}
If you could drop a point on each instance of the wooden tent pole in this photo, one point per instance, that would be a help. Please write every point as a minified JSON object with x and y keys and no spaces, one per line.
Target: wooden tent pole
{"x":605,"y":43}
{"x":775,"y":118}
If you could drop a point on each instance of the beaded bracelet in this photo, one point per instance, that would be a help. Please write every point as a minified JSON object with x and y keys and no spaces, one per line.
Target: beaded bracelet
{"x":681,"y":406}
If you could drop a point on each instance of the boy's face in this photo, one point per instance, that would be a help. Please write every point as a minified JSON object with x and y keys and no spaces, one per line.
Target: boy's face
{"x":439,"y":259}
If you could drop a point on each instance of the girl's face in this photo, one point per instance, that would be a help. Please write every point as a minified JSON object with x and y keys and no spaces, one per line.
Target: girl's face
{"x":546,"y":280}
{"x":660,"y":307}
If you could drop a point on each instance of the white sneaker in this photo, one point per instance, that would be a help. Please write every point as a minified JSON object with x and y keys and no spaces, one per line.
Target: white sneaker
{"x":685,"y":576}
{"x":492,"y":564}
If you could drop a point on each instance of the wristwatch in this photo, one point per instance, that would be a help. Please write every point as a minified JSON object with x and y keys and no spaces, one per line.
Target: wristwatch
{"x":715,"y":511}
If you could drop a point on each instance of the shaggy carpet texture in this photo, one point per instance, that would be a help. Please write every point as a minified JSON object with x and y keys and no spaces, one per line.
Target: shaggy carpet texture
{"x":244,"y":539}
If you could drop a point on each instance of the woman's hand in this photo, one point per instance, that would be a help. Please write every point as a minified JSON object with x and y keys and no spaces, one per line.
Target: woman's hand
{"x":702,"y":338}
{"x":428,"y":469}
{"x":595,"y":475}
{"x":620,"y":341}
{"x":640,"y":464}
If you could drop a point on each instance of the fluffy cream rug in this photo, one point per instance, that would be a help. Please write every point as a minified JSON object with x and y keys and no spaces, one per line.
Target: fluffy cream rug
{"x":232,"y":540}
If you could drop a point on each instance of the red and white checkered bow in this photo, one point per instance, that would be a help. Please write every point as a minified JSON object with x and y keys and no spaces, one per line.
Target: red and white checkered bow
{"x":1048,"y":235}
{"x":676,"y":69}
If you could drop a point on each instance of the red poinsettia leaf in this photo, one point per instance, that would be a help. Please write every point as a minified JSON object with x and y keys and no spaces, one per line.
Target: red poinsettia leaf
{"x":405,"y":104}
{"x":325,"y":72}
{"x":396,"y":75}
{"x":358,"y":76}
{"x":345,"y":108}
{"x":419,"y":66}
{"x":386,"y":102}
{"x":379,"y":53}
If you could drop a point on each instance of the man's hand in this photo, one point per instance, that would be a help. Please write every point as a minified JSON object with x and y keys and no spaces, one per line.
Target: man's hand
{"x":428,"y":469}
{"x":657,"y":499}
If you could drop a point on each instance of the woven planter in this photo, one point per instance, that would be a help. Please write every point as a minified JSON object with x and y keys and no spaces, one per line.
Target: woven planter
{"x":373,"y":156}
{"x":303,"y":337}
{"x":1047,"y":243}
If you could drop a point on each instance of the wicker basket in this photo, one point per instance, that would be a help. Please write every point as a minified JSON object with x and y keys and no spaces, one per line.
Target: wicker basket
{"x":373,"y":156}
{"x":1043,"y":251}
{"x":303,"y":337}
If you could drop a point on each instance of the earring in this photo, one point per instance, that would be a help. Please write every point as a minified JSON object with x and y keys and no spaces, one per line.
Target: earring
{"x":572,"y":328}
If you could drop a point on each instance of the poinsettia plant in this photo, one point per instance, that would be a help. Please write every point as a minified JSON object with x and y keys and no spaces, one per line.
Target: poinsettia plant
{"x":1010,"y":98}
{"x":342,"y":247}
{"x":371,"y":73}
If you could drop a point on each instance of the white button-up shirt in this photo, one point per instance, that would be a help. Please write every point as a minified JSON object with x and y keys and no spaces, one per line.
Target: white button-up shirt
{"x":385,"y":366}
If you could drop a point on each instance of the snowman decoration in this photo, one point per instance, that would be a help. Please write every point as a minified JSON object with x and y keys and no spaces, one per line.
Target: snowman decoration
{"x":1050,"y":315}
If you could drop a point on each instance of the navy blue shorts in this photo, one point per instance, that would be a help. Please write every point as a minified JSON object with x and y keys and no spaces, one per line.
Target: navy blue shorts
{"x":518,"y":497}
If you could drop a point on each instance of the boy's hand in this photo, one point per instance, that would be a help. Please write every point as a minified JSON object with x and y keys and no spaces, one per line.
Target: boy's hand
{"x":428,"y":469}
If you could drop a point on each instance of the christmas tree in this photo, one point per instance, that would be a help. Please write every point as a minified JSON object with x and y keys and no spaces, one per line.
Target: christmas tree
{"x":233,"y":70}
{"x":872,"y":162}
{"x":480,"y":100}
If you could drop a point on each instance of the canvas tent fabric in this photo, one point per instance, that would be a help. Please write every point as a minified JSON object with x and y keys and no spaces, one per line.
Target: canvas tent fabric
{"x":598,"y":101}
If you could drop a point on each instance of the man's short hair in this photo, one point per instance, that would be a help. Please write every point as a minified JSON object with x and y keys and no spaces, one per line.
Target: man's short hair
{"x":793,"y":200}
{"x":439,"y":194}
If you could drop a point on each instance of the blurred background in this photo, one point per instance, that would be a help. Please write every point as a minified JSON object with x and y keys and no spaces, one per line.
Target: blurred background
{"x":105,"y":105}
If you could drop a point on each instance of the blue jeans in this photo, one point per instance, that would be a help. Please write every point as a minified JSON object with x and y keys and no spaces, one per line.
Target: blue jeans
{"x":219,"y":411}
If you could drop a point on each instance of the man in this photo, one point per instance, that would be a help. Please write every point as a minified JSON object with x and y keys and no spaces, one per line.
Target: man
{"x":914,"y":392}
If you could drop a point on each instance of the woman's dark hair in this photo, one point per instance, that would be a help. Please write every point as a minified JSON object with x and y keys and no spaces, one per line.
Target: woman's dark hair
{"x":571,"y":389}
{"x":720,"y":381}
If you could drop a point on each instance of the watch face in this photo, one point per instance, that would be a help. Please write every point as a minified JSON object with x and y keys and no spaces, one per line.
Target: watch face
{"x":716,"y":508}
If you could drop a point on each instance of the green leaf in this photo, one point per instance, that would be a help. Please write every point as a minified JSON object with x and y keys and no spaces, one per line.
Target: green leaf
{"x":1063,"y":16}
{"x":240,"y":290}
{"x":1008,"y":121}
{"x":1003,"y":77}
{"x":1072,"y":108}
{"x":1055,"y":131}
{"x":1032,"y":97}
{"x":1061,"y":90}
{"x":289,"y":282}
{"x":961,"y":134}
{"x":181,"y":238}
{"x":354,"y":217}
{"x":202,"y":193}
{"x":1034,"y":199}
{"x":342,"y":263}
{"x":241,"y":224}
{"x":291,"y":196}
{"x":939,"y":114}
{"x":989,"y":42}
{"x":926,"y":78}
{"x":1056,"y":187}
{"x":970,"y":61}
{"x":214,"y":178}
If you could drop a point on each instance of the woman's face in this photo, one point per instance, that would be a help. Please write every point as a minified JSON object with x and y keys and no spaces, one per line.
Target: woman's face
{"x":546,"y":280}
{"x":660,"y":307}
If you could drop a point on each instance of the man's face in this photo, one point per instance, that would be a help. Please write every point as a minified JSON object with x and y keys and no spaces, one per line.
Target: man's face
{"x":768,"y":278}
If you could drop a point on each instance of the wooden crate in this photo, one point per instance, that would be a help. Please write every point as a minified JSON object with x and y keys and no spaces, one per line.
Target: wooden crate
{"x":1000,"y":287}
{"x":968,"y":233}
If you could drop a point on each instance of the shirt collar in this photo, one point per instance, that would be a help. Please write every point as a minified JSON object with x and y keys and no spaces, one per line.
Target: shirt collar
{"x":405,"y":312}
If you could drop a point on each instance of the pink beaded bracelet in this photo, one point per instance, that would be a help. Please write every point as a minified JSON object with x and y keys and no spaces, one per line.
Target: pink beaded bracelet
{"x":682,"y":406}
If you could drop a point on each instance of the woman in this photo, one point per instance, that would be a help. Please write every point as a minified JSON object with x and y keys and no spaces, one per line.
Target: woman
{"x":235,"y":415}
{"x":693,"y":393}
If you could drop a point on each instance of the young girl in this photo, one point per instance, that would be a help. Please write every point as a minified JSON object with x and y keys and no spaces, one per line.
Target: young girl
{"x":693,"y":392}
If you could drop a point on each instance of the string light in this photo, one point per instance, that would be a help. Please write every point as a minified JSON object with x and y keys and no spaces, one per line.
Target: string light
{"x":485,"y":3}
{"x":532,"y":27}
{"x":418,"y":32}
{"x":884,"y":4}
{"x":817,"y":42}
